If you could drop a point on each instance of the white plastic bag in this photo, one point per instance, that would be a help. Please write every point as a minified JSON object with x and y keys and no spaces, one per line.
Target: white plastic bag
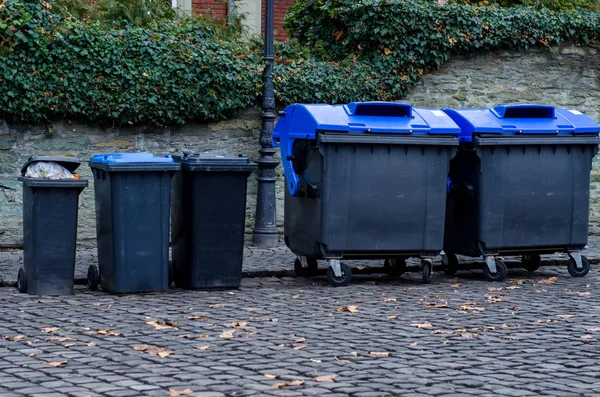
{"x":48,"y":170}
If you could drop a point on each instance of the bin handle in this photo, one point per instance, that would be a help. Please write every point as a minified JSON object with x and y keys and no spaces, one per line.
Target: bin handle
{"x":380,"y":109}
{"x":524,"y":111}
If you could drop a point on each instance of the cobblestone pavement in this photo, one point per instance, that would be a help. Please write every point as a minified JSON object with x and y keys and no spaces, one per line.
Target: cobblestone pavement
{"x":272,"y":262}
{"x":535,"y":334}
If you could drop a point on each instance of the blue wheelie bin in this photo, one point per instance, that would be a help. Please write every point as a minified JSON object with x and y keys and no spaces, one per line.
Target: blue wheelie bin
{"x":132,"y":192}
{"x":365,"y":180}
{"x":520,"y":185}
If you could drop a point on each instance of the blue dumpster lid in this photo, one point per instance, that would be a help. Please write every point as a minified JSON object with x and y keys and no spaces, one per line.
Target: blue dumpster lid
{"x":521,"y":119}
{"x":130,"y":158}
{"x":302,"y":121}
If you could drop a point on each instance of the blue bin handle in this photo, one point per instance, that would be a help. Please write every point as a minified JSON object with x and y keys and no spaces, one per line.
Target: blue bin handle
{"x":524,"y":111}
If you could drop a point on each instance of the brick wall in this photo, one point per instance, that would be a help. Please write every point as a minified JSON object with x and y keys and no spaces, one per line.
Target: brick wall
{"x":218,"y":8}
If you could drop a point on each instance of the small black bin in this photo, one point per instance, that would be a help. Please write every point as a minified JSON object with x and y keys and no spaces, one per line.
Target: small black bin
{"x":208,"y":219}
{"x":132,"y":192}
{"x":50,"y":208}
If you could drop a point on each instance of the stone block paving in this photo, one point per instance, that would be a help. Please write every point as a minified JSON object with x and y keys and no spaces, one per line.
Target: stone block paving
{"x":533,"y":335}
{"x":279,"y":262}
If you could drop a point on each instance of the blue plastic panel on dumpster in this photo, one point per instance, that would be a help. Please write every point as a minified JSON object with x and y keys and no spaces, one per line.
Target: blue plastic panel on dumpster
{"x":301,"y":121}
{"x":123,"y":158}
{"x":521,"y":119}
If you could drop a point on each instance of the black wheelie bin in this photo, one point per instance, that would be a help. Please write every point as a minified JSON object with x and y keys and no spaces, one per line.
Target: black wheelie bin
{"x":50,"y":209}
{"x":520,"y":185}
{"x":366,"y":180}
{"x":208,"y":219}
{"x":132,"y":192}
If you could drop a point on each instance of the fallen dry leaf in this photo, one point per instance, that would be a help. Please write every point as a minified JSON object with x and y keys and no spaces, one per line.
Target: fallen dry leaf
{"x":299,"y":347}
{"x":340,"y":360}
{"x":441,"y":332}
{"x":227,"y":334}
{"x":593,"y":329}
{"x":32,"y":355}
{"x":351,"y":309}
{"x":58,"y":339}
{"x":584,"y":293}
{"x":50,"y":330}
{"x":550,"y":280}
{"x":513,"y":287}
{"x":270,"y":376}
{"x":14,"y":338}
{"x":239,"y":324}
{"x":467,"y":335}
{"x":153,"y":350}
{"x":300,"y":340}
{"x":197,"y":318}
{"x":495,"y":289}
{"x":436,"y":305}
{"x":295,"y":296}
{"x":158,"y":325}
{"x":175,"y":393}
{"x":201,"y":347}
{"x":388,"y":299}
{"x":385,"y":354}
{"x":422,"y":325}
{"x":325,"y":378}
{"x":544,"y":321}
{"x":493,"y":298}
{"x":392,"y":317}
{"x":318,"y":361}
{"x":587,"y":337}
{"x":215,"y":306}
{"x":105,"y":332}
{"x":565,"y":315}
{"x":567,"y":290}
{"x":292,"y":383}
{"x":69,"y":344}
{"x":413,"y":344}
{"x":185,"y":336}
{"x":92,"y":344}
{"x":512,"y":308}
{"x":57,"y":363}
{"x":472,"y":306}
{"x":455,"y":285}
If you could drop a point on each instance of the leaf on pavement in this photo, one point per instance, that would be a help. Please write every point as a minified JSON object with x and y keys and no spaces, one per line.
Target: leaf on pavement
{"x":215,"y":306}
{"x":227,"y":334}
{"x":263,"y":319}
{"x":565,"y":315}
{"x":158,"y":325}
{"x":455,"y":285}
{"x":388,"y":299}
{"x":58,"y":339}
{"x":57,"y":363}
{"x":493,"y":298}
{"x":584,"y":293}
{"x":50,"y":330}
{"x":201,"y":347}
{"x":339,"y":360}
{"x":270,"y":376}
{"x":512,"y":308}
{"x":239,"y":324}
{"x":467,"y":335}
{"x":299,"y":347}
{"x":392,"y":317}
{"x":545,"y":321}
{"x":184,"y":336}
{"x":14,"y":338}
{"x":32,"y":355}
{"x":422,"y":325}
{"x":286,"y":384}
{"x":325,"y":378}
{"x":296,"y":297}
{"x":351,"y":309}
{"x":197,"y":318}
{"x":513,"y":287}
{"x":550,"y":280}
{"x":441,"y":332}
{"x":70,"y":344}
{"x":472,"y":306}
{"x":495,"y":289}
{"x":92,"y":344}
{"x":175,"y":393}
{"x":105,"y":332}
{"x":587,"y":337}
{"x":593,"y":329}
{"x":385,"y":354}
{"x":153,"y":350}
{"x":436,"y":305}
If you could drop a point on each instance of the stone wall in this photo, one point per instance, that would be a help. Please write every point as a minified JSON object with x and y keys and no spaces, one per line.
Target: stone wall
{"x":565,"y":77}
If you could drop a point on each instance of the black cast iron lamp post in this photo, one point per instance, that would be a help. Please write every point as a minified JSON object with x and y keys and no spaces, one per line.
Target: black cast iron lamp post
{"x":265,"y":224}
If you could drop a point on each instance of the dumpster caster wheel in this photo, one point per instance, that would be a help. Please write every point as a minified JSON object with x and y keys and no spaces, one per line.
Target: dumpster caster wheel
{"x":531,"y":262}
{"x":395,"y":267}
{"x":309,"y":271}
{"x":576,"y":272}
{"x":427,"y":270}
{"x":501,"y":271}
{"x":451,"y":262}
{"x":22,"y":281}
{"x":93,"y":277}
{"x":339,"y":281}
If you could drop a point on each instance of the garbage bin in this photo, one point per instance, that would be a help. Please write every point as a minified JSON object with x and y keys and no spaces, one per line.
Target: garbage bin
{"x":208,"y":210}
{"x":132,"y":192}
{"x":50,"y":209}
{"x":365,"y":180}
{"x":520,"y":186}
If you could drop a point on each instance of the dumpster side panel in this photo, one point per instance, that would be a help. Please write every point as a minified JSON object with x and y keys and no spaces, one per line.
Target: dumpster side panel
{"x":50,"y":235}
{"x":379,"y":198}
{"x":103,"y":193}
{"x":534,"y":197}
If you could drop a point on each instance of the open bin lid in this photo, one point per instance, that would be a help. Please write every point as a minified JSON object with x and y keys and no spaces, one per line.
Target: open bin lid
{"x":70,"y":163}
{"x":523,"y":119}
{"x":215,"y":162}
{"x":300,"y":121}
{"x":133,"y":162}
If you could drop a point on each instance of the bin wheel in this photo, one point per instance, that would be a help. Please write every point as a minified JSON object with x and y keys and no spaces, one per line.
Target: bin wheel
{"x":574,"y":271}
{"x":501,"y":271}
{"x":451,"y":262}
{"x":395,"y":267}
{"x":22,"y":281}
{"x":93,"y":277}
{"x":309,"y":271}
{"x":340,"y":281}
{"x":427,"y":270}
{"x":531,"y":262}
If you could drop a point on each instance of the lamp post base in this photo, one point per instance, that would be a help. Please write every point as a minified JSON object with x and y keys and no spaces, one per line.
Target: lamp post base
{"x":265,"y":239}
